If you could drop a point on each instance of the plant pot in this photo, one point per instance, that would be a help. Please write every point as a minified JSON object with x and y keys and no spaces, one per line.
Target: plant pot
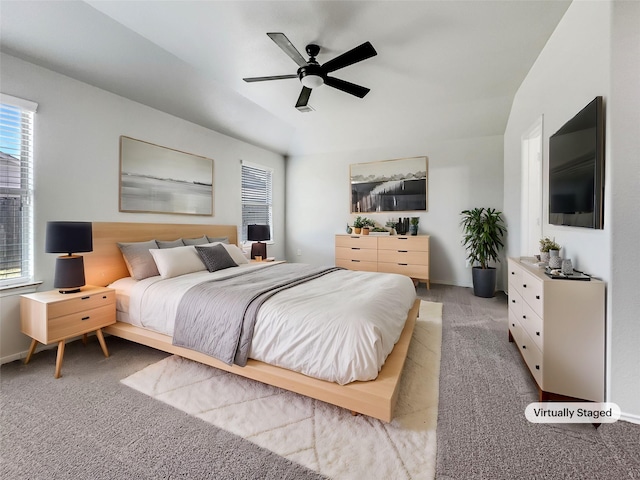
{"x":484,"y":281}
{"x":413,"y":229}
{"x":365,"y":230}
{"x":544,"y":257}
{"x":357,"y":230}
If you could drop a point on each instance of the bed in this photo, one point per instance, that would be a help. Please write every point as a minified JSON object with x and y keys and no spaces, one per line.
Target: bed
{"x":105,"y":265}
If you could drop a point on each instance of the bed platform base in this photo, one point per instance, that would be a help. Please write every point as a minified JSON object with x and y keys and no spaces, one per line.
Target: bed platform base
{"x":376,"y":398}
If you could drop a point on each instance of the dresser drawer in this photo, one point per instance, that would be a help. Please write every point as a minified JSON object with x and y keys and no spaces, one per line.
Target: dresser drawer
{"x":356,"y":253}
{"x":532,"y":324}
{"x":80,"y":303}
{"x":413,"y":271}
{"x":515,"y":277}
{"x":515,"y":303}
{"x":357,"y":241}
{"x":80,"y":322}
{"x":532,"y":288}
{"x":516,"y":329}
{"x":401,"y":242}
{"x":404,"y":256}
{"x":533,"y":358}
{"x":357,"y":265}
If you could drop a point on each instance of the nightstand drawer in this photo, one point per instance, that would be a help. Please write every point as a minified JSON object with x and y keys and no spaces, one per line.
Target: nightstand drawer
{"x":80,"y":322}
{"x":81,"y":304}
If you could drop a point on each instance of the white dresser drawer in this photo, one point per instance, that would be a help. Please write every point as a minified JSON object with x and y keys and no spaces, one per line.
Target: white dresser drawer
{"x":532,"y":288}
{"x":533,"y":324}
{"x":515,"y":277}
{"x":515,"y":303}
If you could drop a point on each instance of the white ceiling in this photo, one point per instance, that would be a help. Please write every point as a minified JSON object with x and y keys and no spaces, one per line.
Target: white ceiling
{"x":444,"y":69}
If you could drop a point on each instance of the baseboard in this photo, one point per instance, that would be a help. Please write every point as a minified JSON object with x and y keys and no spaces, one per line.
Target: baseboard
{"x":39,"y":348}
{"x":628,"y":417}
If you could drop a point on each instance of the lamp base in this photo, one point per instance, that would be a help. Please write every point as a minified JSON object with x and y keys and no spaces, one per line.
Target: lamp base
{"x":69,"y":275}
{"x":74,"y":290}
{"x":259,"y":249}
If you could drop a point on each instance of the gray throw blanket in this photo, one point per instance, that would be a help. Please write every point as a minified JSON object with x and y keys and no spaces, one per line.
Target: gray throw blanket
{"x":217,"y":317}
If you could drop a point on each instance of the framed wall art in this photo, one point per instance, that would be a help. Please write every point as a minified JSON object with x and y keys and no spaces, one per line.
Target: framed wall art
{"x":157,"y":179}
{"x":389,"y":186}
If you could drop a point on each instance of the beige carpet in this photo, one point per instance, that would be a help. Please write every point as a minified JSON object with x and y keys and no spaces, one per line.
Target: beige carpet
{"x":320,"y":436}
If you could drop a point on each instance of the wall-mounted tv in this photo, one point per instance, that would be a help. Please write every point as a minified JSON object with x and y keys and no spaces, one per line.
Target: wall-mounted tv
{"x":576,"y":169}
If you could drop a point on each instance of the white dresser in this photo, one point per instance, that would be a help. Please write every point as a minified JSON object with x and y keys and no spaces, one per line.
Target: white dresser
{"x":559,"y":328}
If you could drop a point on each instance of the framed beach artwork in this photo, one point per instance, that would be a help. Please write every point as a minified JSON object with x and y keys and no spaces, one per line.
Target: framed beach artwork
{"x":157,"y":179}
{"x":389,"y":186}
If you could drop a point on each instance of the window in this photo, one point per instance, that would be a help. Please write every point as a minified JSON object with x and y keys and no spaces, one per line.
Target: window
{"x":256,"y":197}
{"x":16,"y":190}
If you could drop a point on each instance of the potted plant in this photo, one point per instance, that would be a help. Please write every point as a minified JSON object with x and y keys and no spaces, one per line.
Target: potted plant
{"x":367,"y":225}
{"x":413,"y":229}
{"x":390,"y":225}
{"x":357,"y":225}
{"x":483,"y":231}
{"x":548,"y":248}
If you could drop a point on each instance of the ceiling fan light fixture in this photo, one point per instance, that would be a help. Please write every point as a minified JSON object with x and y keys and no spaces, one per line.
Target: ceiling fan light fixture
{"x":312,"y":81}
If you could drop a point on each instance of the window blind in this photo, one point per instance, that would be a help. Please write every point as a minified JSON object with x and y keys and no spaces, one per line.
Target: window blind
{"x":16,"y":190}
{"x":256,"y":197}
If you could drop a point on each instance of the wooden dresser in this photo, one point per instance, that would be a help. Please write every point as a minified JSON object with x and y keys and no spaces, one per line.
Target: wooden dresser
{"x":559,"y":328}
{"x":407,"y":255}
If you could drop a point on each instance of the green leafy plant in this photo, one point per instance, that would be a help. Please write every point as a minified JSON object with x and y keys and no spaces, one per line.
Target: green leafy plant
{"x":379,"y":229}
{"x":547,"y":244}
{"x":415,"y":221}
{"x":483,"y":231}
{"x":367,"y":222}
{"x":358,"y":222}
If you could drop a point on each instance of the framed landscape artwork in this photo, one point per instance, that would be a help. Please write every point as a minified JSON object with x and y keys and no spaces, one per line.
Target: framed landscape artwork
{"x":157,"y":179}
{"x":389,"y":186}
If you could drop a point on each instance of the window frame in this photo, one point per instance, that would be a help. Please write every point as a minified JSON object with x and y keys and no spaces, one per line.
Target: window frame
{"x":245,"y":199}
{"x":21,"y":149}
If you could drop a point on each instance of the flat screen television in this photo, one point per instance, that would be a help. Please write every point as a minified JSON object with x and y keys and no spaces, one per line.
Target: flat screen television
{"x":576,"y":169}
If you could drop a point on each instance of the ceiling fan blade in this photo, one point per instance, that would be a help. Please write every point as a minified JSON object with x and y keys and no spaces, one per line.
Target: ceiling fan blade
{"x":275,"y":77}
{"x":347,"y":87}
{"x":283,"y":42}
{"x":355,"y":55}
{"x":303,"y":100}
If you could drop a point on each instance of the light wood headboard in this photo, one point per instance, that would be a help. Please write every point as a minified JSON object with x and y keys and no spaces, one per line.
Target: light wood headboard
{"x":105,"y":263}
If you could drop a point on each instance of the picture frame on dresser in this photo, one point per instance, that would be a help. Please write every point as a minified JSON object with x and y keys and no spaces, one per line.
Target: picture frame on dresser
{"x":156,"y":179}
{"x":398,"y":185}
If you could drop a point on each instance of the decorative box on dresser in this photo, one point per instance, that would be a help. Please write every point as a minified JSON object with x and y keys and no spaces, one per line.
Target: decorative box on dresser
{"x":49,"y":317}
{"x":407,"y":255}
{"x":559,"y":328}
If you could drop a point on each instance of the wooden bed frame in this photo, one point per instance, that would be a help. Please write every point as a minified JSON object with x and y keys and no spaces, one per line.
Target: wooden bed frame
{"x":376,"y":398}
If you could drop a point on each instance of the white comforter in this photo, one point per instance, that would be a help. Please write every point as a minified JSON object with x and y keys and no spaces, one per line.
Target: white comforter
{"x":339,"y":327}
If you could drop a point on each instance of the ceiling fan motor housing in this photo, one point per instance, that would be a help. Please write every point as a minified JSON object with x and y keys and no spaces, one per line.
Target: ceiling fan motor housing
{"x":311,"y":75}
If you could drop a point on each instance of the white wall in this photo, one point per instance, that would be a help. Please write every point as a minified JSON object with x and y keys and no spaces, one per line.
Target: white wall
{"x":462,"y":174}
{"x":576,"y":65}
{"x":77,"y":130}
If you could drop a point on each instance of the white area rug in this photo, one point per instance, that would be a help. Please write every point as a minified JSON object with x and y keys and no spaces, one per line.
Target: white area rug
{"x":322,"y":437}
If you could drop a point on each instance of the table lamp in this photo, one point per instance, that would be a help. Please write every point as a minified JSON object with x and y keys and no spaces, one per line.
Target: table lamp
{"x":69,"y":238}
{"x":258,"y":233}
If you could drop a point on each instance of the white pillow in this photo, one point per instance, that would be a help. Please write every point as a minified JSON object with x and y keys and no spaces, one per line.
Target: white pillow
{"x":236,"y":254}
{"x":173,"y":262}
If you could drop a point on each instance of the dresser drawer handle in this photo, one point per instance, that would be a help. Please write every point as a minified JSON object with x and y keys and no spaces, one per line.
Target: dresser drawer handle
{"x":85,"y":318}
{"x":537,"y":367}
{"x":513,"y":273}
{"x":524,"y":347}
{"x":355,"y":237}
{"x":513,"y":325}
{"x":104,"y":296}
{"x":537,"y":297}
{"x":86,"y":298}
{"x":355,"y":248}
{"x":538,"y":333}
{"x":524,"y":316}
{"x":403,"y":251}
{"x":513,"y":301}
{"x":357,"y":261}
{"x":524,"y":285}
{"x":403,"y":264}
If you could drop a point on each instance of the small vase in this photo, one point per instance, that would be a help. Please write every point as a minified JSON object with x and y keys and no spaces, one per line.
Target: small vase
{"x":357,"y":230}
{"x":555,"y":262}
{"x":544,"y":257}
{"x":567,"y":267}
{"x":413,"y":229}
{"x":365,"y":230}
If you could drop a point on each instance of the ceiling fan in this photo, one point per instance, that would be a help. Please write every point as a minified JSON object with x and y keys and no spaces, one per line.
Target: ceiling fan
{"x":313,"y":75}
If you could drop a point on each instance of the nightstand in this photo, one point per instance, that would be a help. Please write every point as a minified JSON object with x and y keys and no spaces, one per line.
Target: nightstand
{"x":49,"y":317}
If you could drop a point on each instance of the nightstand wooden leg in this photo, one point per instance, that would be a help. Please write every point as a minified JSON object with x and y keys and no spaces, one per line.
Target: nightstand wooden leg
{"x":32,"y":348}
{"x":59,"y":358}
{"x":84,"y":339}
{"x":102,"y":344}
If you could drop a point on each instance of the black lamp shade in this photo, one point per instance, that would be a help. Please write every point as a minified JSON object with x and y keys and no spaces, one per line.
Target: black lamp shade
{"x":68,"y":237}
{"x":258,"y":233}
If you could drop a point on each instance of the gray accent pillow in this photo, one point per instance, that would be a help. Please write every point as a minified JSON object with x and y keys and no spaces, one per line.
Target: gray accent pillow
{"x":139,"y":261}
{"x":196,"y":241}
{"x":170,"y":243}
{"x":215,"y":258}
{"x":218,"y":239}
